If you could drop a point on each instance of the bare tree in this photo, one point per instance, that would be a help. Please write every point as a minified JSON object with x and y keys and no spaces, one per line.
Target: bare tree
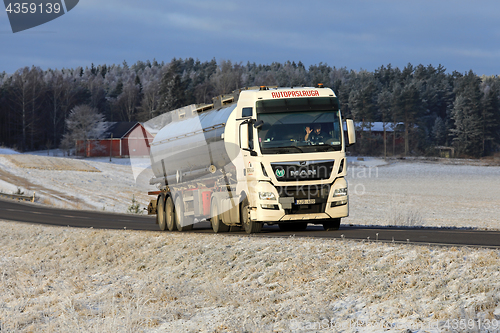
{"x":151,"y":93}
{"x":83,"y":123}
{"x":128,"y":99}
{"x":227,"y":77}
{"x":37,"y":88}
{"x":384,"y":106}
{"x":70,"y":97}
{"x":55,"y":82}
{"x":20,"y":97}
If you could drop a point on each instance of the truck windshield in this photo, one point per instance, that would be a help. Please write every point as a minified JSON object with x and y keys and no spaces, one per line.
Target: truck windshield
{"x":299,"y":125}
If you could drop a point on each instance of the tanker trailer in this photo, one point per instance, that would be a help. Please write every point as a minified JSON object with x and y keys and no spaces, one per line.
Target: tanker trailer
{"x":258,"y":156}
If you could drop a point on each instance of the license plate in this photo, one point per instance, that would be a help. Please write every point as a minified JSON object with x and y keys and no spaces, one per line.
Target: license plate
{"x":306,"y":202}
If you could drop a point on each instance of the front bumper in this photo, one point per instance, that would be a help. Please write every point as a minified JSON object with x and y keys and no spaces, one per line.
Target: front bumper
{"x":303,"y":204}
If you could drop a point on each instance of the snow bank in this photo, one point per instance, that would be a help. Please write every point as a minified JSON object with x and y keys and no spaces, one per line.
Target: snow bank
{"x":7,"y":151}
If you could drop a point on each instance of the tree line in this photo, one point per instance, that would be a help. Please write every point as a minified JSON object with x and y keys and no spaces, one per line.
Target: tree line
{"x":426,"y":106}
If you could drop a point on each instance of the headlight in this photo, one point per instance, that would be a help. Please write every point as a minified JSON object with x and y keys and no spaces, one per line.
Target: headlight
{"x":340,"y":192}
{"x":267,"y":196}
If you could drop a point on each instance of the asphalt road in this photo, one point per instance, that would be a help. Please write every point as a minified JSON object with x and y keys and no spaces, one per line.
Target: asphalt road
{"x":33,"y":213}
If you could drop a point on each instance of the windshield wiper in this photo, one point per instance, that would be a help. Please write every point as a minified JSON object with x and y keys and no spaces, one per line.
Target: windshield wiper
{"x":328,"y":147}
{"x":291,"y":147}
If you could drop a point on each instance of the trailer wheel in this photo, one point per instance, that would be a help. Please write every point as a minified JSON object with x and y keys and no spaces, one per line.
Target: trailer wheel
{"x":170,"y":214}
{"x":160,"y":213}
{"x":216,"y":222}
{"x":331,"y":224}
{"x":182,"y":222}
{"x":249,"y":225}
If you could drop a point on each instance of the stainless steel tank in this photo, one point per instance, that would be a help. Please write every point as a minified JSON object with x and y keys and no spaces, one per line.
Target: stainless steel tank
{"x":190,"y":148}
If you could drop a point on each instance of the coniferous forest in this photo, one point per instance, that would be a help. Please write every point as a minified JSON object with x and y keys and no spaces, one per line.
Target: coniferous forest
{"x":429,"y":106}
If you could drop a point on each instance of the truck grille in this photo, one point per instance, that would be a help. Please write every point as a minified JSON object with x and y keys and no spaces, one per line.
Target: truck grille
{"x":306,"y":170}
{"x":305,"y":191}
{"x":304,"y":199}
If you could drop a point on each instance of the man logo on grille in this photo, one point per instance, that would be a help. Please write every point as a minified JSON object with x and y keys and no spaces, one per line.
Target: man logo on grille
{"x":280,"y":172}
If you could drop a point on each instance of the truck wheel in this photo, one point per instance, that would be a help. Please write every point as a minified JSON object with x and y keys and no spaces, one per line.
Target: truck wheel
{"x":215,"y":221}
{"x":293,"y":226}
{"x":160,"y":213}
{"x":182,"y":222}
{"x":170,"y":214}
{"x":249,"y":225}
{"x":331,"y":224}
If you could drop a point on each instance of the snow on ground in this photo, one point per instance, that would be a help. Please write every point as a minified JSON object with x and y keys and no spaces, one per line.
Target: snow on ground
{"x":63,"y":279}
{"x":423,"y":194}
{"x":7,"y":151}
{"x":58,"y":279}
{"x":82,"y":184}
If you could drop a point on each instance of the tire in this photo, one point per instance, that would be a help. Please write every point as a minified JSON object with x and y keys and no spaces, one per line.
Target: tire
{"x":331,"y":224}
{"x":160,"y":213}
{"x":170,"y":214}
{"x":217,"y":225}
{"x":250,"y":226}
{"x":182,"y":222}
{"x":293,"y":226}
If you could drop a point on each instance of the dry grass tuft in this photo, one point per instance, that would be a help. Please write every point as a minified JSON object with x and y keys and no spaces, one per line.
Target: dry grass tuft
{"x":49,"y":163}
{"x":403,"y":212}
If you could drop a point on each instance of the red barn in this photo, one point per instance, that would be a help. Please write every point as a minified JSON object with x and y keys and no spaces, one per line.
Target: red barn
{"x":122,"y":139}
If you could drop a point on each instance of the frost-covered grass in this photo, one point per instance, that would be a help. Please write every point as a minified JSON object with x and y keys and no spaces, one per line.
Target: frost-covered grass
{"x":62,"y":279}
{"x":49,"y":163}
{"x":403,"y":213}
{"x":423,"y":194}
{"x":55,"y":279}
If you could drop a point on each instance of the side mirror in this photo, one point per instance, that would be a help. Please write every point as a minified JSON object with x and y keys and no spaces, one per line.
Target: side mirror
{"x":351,"y":132}
{"x":258,"y":124}
{"x":244,"y":144}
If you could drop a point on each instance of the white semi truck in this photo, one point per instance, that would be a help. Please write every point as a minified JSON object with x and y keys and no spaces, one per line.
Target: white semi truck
{"x":259,"y":156}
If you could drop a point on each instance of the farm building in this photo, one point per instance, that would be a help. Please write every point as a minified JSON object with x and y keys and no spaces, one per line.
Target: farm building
{"x":121,"y":139}
{"x":377,"y":128}
{"x":370,"y":138}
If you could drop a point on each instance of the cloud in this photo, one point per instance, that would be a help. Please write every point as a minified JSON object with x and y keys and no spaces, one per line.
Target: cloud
{"x":187,"y":22}
{"x":356,"y":34}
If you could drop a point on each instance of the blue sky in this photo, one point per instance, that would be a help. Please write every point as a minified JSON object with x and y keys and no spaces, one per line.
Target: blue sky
{"x":460,"y":35}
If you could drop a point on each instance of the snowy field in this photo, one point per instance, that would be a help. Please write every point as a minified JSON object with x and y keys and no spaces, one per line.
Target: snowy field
{"x":93,"y":183}
{"x":424,"y":193}
{"x":55,"y":279}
